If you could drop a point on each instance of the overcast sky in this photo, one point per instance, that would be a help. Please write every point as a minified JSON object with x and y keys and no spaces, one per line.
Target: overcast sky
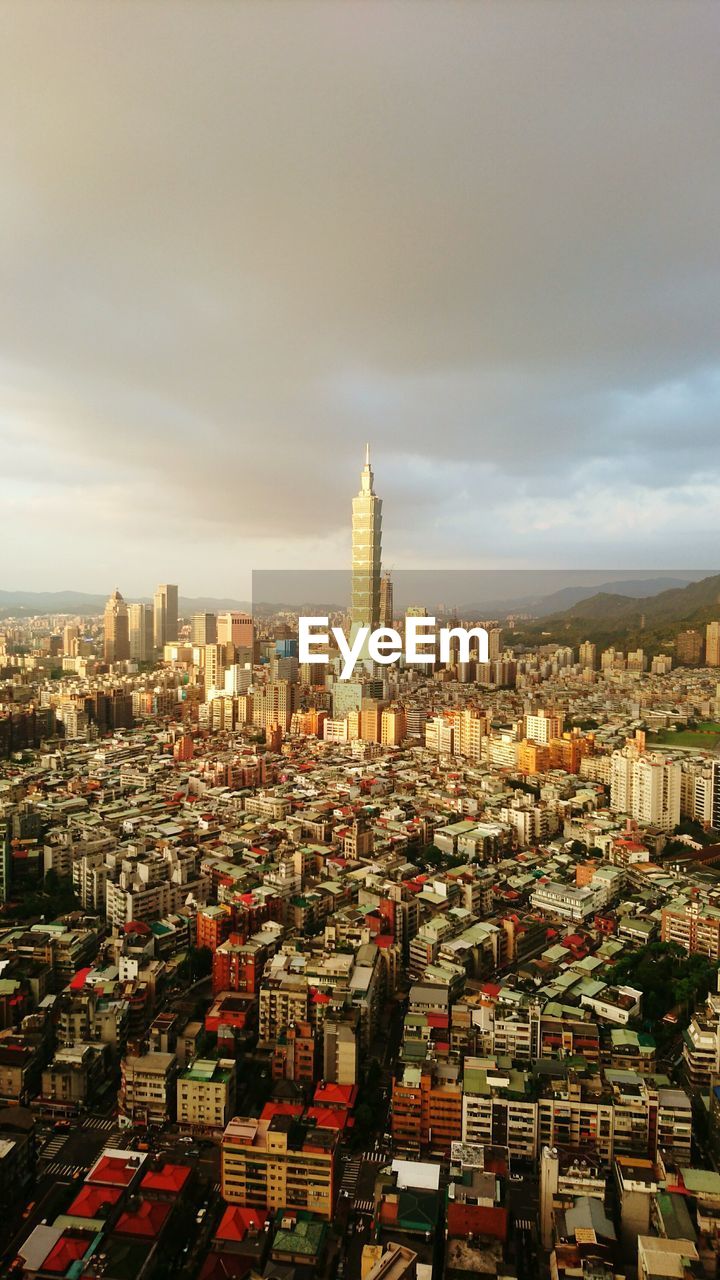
{"x":238,"y":240}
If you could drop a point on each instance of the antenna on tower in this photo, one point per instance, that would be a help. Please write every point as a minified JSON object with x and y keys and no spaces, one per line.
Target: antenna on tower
{"x":367,"y":455}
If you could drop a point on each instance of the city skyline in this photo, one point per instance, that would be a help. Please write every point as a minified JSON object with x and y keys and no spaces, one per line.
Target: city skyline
{"x":505,"y":278}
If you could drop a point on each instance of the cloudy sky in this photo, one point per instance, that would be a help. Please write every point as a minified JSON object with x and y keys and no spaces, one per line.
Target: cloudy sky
{"x":238,"y":240}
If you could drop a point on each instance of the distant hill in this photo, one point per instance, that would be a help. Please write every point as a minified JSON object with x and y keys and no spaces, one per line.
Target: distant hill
{"x":638,"y":589}
{"x":652,"y":620}
{"x":83,"y":602}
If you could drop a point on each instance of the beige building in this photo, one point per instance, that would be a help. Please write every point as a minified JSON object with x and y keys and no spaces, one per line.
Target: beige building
{"x":116,"y":642}
{"x":206,"y":1094}
{"x":393,"y":726}
{"x":279,"y":1164}
{"x":283,"y":1000}
{"x":165,"y":614}
{"x":712,"y":644}
{"x":141,"y":631}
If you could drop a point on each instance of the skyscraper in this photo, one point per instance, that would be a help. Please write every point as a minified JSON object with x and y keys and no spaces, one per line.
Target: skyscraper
{"x":141,"y":628}
{"x":165,"y":605}
{"x":237,"y":629}
{"x":366,"y":551}
{"x":116,"y":646}
{"x":712,"y":644}
{"x":204,"y":628}
{"x":386,"y":600}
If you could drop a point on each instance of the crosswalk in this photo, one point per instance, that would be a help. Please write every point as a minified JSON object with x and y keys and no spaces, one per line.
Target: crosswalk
{"x":54,"y":1146}
{"x":351,"y":1173}
{"x":60,"y":1170}
{"x":101,"y":1123}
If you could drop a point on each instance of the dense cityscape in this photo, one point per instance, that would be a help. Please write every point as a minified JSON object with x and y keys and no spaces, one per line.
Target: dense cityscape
{"x":407,"y":976}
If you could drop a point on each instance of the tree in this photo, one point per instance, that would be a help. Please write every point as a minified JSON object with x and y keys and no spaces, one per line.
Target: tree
{"x":667,"y":976}
{"x":197,"y":964}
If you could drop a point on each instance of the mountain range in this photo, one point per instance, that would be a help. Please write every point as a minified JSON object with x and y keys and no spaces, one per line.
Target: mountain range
{"x":650,"y":620}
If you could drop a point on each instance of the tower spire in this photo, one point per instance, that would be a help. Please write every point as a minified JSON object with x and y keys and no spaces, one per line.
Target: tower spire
{"x":367,"y":455}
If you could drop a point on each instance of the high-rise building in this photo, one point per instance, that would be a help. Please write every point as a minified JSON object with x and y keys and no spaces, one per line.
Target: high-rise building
{"x":393,"y":726}
{"x":494,"y":643}
{"x":204,"y":628}
{"x":646,"y":787}
{"x":116,"y":646}
{"x":689,"y":647}
{"x":386,"y":601}
{"x":543,"y":726}
{"x":588,"y":655}
{"x":165,"y":605}
{"x":141,"y":631}
{"x":712,"y":644}
{"x":237,"y":629}
{"x":213,"y":662}
{"x":71,"y":635}
{"x":366,"y":552}
{"x":636,"y":660}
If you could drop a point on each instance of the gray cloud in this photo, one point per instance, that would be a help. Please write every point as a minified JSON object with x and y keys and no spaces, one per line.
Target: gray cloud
{"x":238,"y":240}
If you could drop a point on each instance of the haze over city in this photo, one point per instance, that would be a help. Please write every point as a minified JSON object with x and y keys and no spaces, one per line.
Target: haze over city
{"x":232,"y":251}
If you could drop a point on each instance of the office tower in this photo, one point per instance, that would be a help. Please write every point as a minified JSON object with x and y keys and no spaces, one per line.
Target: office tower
{"x":712,"y":644}
{"x":273,"y":704}
{"x":141,"y":626}
{"x":689,"y":648}
{"x":116,"y":647}
{"x":165,"y":604}
{"x":238,"y":679}
{"x":284,"y":669}
{"x":204,"y":628}
{"x":237,"y":629}
{"x":588,"y":655}
{"x":386,"y":601}
{"x":366,"y":552}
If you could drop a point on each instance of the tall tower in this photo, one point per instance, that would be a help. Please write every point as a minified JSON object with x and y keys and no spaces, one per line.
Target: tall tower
{"x":165,"y":606}
{"x":366,"y":551}
{"x":386,"y":600}
{"x":141,"y":627}
{"x":116,"y":643}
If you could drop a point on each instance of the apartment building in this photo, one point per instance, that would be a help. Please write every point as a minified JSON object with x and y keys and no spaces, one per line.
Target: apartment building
{"x":567,"y":900}
{"x":147,"y":1088}
{"x":206,"y":1094}
{"x":427,"y":1108}
{"x":279,"y":1163}
{"x":701,"y":1045}
{"x":284,"y":999}
{"x":498,"y":1108}
{"x":692,"y":925}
